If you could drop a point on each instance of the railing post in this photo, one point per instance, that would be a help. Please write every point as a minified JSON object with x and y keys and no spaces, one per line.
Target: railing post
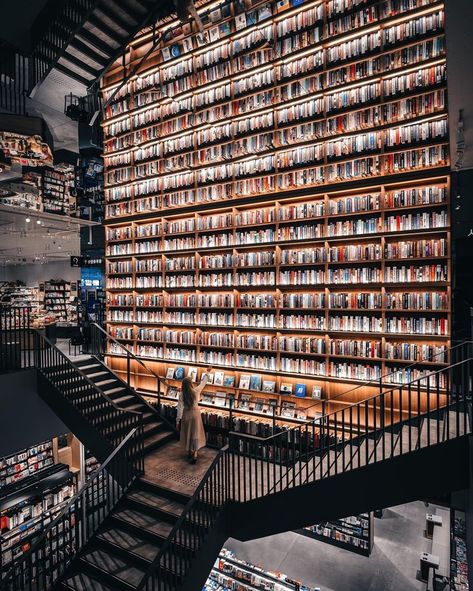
{"x":128,"y":364}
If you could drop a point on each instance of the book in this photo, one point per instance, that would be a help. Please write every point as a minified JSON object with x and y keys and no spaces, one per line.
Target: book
{"x":240,"y":22}
{"x":218,"y":379}
{"x":192,"y":373}
{"x":251,"y":18}
{"x":317,"y":392}
{"x":229,"y":381}
{"x":259,"y":402}
{"x":282,"y":5}
{"x":264,"y":12}
{"x":214,"y":34}
{"x":166,"y":54}
{"x":209,"y":376}
{"x":175,"y":50}
{"x":225,"y":29}
{"x":285,"y":388}
{"x":255,"y":383}
{"x":220,"y":399}
{"x":288,"y":410}
{"x":179,"y":373}
{"x":215,"y":15}
{"x":269,"y":386}
{"x":170,"y":373}
{"x":187,"y":44}
{"x":300,"y":390}
{"x":244,"y":402}
{"x":244,"y":382}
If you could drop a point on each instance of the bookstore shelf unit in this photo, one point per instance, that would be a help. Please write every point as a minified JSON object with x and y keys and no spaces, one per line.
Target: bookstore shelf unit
{"x":229,"y":572}
{"x":278,"y":198}
{"x":33,"y":490}
{"x":354,"y":533}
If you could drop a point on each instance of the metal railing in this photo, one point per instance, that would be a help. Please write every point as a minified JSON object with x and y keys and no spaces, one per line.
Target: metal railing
{"x":88,"y":399}
{"x":190,"y":530}
{"x":421,"y":413}
{"x":98,"y":346}
{"x":16,"y":339}
{"x":408,"y":417}
{"x":453,"y":354}
{"x":53,"y":37}
{"x":65,"y":536}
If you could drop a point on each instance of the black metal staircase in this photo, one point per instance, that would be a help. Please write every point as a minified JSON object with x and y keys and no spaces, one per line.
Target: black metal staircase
{"x":86,"y":36}
{"x":410,"y":441}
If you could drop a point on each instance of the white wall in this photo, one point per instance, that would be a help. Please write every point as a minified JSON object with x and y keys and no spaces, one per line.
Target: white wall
{"x":36,"y":273}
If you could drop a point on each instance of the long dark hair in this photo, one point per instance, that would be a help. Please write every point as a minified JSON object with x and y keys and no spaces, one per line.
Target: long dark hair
{"x":188,"y":395}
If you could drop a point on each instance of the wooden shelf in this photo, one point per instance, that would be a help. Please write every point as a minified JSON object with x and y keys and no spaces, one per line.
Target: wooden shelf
{"x":197,"y":179}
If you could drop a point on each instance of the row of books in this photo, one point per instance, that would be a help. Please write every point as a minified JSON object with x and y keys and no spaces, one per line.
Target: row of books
{"x":175,"y":78}
{"x":319,"y":254}
{"x":326,"y":103}
{"x":409,"y":160}
{"x":307,"y":109}
{"x":417,"y":300}
{"x":337,"y":276}
{"x":374,"y":141}
{"x":345,"y":323}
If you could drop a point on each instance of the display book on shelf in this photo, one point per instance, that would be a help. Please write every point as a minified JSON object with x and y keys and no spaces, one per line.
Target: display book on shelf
{"x":354,"y":533}
{"x":58,"y":188}
{"x":405,"y":303}
{"x":58,"y":297}
{"x":31,"y":500}
{"x":253,"y":405}
{"x":458,"y":552}
{"x":20,"y":296}
{"x":230,"y":572}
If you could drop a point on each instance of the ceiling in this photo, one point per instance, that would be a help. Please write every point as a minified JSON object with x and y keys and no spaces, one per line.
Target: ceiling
{"x":46,"y":237}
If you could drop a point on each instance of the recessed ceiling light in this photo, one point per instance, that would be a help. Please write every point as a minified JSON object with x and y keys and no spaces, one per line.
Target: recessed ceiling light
{"x":28,"y":220}
{"x":38,"y":222}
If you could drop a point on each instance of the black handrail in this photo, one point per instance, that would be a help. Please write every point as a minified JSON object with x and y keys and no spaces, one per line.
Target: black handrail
{"x":198,"y":516}
{"x":51,"y":554}
{"x":365,"y":432}
{"x":99,"y":352}
{"x":41,"y":352}
{"x":379,"y":382}
{"x":293,"y":450}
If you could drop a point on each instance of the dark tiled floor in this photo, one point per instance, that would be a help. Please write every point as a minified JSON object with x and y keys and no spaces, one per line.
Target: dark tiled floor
{"x":168,"y":467}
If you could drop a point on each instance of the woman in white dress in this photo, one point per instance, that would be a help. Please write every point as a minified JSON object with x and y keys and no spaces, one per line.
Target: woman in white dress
{"x":189,"y":421}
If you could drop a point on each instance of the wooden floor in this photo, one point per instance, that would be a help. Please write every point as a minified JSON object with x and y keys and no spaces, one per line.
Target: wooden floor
{"x":168,"y":467}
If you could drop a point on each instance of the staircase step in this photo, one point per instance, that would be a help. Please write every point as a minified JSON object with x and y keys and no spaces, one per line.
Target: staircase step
{"x":83,"y":582}
{"x":147,"y":485}
{"x":158,"y":439}
{"x":116,"y":572}
{"x":142,"y":523}
{"x":153,"y":504}
{"x":113,"y":391}
{"x":140,"y":549}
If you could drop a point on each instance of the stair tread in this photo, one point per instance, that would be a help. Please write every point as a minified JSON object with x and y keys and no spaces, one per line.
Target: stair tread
{"x":129,"y":541}
{"x":115,"y":390}
{"x":144,"y":521}
{"x":84,"y":582}
{"x":156,"y":437}
{"x":157,"y":501}
{"x":114,"y":565}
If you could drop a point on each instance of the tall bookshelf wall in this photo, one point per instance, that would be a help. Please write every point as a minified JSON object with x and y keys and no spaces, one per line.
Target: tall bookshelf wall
{"x":277,"y":198}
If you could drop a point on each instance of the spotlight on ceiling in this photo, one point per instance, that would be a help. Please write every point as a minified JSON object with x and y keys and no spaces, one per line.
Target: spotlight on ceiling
{"x":38,"y":222}
{"x":28,"y":220}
